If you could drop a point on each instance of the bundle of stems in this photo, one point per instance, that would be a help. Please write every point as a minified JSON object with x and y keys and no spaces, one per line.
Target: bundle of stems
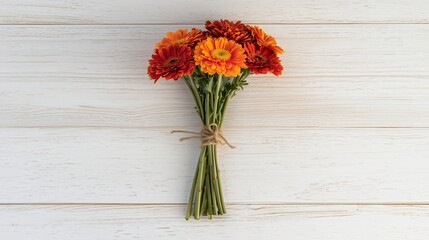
{"x":212,"y":94}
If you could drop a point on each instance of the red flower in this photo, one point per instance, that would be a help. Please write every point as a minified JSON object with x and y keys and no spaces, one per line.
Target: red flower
{"x":171,"y":62}
{"x":263,"y":39}
{"x":233,"y":31}
{"x":262,"y":60}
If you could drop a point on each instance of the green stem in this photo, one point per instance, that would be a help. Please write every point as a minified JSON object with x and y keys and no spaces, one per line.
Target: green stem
{"x":216,"y":97}
{"x":218,"y":181}
{"x":200,"y":182}
{"x":210,"y":176}
{"x":209,"y":198}
{"x":214,"y":179}
{"x":206,"y":191}
{"x":191,"y":195}
{"x":207,"y":109}
{"x":204,"y":203}
{"x":191,"y":84}
{"x":228,"y":98}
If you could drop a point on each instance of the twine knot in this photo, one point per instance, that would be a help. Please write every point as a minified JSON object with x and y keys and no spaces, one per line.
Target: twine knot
{"x":209,"y":135}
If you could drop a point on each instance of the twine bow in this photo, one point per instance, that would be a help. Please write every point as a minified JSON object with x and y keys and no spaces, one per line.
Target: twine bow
{"x":209,"y":135}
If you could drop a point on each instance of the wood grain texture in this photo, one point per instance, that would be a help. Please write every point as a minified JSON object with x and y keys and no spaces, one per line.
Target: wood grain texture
{"x":197,"y":11}
{"x":149,"y":165}
{"x":336,"y":148}
{"x":336,"y":76}
{"x":244,"y":222}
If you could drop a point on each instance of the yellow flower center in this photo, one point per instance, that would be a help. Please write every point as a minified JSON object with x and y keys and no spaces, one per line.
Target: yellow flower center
{"x":221,"y":54}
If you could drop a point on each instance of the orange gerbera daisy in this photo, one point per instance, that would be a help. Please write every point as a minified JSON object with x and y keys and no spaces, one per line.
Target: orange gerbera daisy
{"x":263,"y":39}
{"x":234,"y":31}
{"x":195,"y":36}
{"x":262,"y":60}
{"x":221,"y":56}
{"x":171,"y":62}
{"x":182,"y":37}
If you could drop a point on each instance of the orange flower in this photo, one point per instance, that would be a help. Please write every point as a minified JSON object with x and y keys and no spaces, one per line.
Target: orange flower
{"x":171,"y":62}
{"x":182,"y":37}
{"x":195,"y":36}
{"x":221,"y":56}
{"x":262,"y":60}
{"x":234,"y":31}
{"x":265,"y":40}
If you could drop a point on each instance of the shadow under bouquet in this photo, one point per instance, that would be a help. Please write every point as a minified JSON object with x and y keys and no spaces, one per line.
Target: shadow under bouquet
{"x":215,"y":64}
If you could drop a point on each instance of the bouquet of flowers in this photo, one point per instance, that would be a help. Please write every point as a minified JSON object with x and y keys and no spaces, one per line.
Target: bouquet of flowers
{"x":215,"y":64}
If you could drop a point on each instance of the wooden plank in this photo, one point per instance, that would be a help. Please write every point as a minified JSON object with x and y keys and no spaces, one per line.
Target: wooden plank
{"x":336,"y":76}
{"x":194,"y":11}
{"x":107,"y":52}
{"x":242,"y":222}
{"x":269,"y":165}
{"x":284,"y":102}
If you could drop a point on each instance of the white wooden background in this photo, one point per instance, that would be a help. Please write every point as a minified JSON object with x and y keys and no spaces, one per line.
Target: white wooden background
{"x":337,"y":148}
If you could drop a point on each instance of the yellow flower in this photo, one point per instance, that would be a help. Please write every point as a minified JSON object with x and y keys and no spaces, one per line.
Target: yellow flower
{"x":221,"y":56}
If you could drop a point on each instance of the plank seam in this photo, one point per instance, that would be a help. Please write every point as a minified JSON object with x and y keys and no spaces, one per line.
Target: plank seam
{"x":241,"y":127}
{"x":231,"y":204}
{"x":198,"y":23}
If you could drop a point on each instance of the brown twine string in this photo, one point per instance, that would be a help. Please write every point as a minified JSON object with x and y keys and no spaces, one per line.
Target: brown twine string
{"x":209,"y":135}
